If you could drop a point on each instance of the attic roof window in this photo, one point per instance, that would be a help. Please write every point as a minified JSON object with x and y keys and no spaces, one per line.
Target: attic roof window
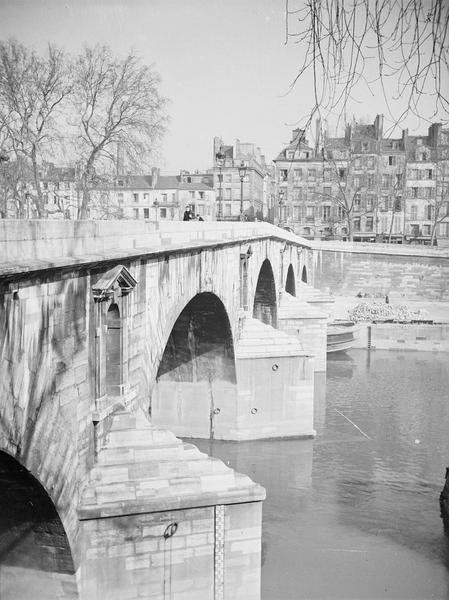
{"x":117,"y":278}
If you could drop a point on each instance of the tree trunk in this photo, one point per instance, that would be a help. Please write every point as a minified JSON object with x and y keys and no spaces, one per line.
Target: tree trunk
{"x":350,"y":234}
{"x":37,"y":182}
{"x":83,"y":210}
{"x":391,"y":225}
{"x":433,"y":236}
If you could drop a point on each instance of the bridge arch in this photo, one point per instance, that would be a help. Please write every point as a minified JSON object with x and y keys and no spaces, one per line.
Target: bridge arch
{"x":265,"y":301}
{"x":35,"y":553}
{"x":304,"y":274}
{"x":290,"y":284}
{"x":196,"y":371}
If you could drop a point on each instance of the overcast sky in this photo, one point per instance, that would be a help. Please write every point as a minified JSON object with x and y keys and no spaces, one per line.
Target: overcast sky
{"x":223,"y":63}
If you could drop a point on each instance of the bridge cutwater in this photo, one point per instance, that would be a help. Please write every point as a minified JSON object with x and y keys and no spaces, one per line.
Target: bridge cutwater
{"x":119,"y":338}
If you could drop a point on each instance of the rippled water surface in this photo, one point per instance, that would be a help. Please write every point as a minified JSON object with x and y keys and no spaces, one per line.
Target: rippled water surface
{"x":354,"y":513}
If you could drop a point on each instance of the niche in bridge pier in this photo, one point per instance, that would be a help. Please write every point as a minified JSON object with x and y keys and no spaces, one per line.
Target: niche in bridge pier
{"x":290,"y":285}
{"x":113,"y":351}
{"x":265,"y":307}
{"x":111,"y":295}
{"x":35,"y":557}
{"x":194,"y":394}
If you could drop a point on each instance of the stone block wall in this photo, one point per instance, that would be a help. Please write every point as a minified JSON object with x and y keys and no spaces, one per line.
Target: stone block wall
{"x":398,"y":336}
{"x":415,"y":277}
{"x":214,"y":553}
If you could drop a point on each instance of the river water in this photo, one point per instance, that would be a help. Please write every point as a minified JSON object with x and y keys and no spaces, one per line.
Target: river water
{"x":354,"y":513}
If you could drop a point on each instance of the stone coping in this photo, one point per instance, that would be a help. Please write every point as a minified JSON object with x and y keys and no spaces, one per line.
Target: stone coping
{"x":259,"y":340}
{"x":388,"y":249}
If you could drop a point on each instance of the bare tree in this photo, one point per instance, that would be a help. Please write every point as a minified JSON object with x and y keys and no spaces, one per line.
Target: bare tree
{"x":348,"y":196}
{"x":372,"y":42}
{"x":116,"y":103}
{"x":440,"y":204}
{"x":32,"y":90}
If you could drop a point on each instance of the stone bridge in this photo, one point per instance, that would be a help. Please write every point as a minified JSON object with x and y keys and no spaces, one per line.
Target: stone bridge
{"x":115,"y":338}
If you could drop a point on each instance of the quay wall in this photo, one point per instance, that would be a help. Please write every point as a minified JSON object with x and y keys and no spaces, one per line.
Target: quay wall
{"x":413,"y":274}
{"x":402,"y":336}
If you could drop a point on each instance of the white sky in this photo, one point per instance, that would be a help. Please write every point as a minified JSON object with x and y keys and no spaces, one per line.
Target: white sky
{"x":223,"y":63}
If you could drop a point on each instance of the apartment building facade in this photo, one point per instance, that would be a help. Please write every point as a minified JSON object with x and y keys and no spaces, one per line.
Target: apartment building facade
{"x":255,"y":193}
{"x":365,"y":187}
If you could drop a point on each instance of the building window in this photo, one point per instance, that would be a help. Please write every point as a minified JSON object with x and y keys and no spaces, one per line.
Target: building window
{"x":413,"y":212}
{"x":228,"y":209}
{"x":426,"y":229}
{"x":173,"y":197}
{"x":164,"y":198}
{"x":369,"y":202}
{"x":429,"y":173}
{"x":120,"y":197}
{"x":297,"y":174}
{"x":228,"y":178}
{"x":200,"y":209}
{"x":356,"y":224}
{"x":145,"y":196}
{"x":341,"y":173}
{"x":340,"y":212}
{"x":357,"y":200}
{"x":45,"y":186}
{"x":311,"y":173}
{"x":326,"y":213}
{"x":370,"y":162}
{"x":309,"y":212}
{"x":146,"y":213}
{"x":414,"y":192}
{"x":283,"y":174}
{"x":444,"y":229}
{"x":136,"y":197}
{"x":136,"y":213}
{"x":120,"y":182}
{"x":201,"y":195}
{"x":429,"y":212}
{"x":296,"y":212}
{"x":192,"y":194}
{"x":163,"y":213}
{"x":392,"y":160}
{"x":369,"y":224}
{"x":228,"y":194}
{"x":327,"y":191}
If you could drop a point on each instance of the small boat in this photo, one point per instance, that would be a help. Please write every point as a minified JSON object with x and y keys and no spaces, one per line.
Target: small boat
{"x":341,"y":335}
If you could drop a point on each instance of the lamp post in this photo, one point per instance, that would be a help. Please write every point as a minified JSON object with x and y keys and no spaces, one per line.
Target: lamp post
{"x":156,"y":206}
{"x":220,"y":161}
{"x":242,"y":173}
{"x":281,"y":204}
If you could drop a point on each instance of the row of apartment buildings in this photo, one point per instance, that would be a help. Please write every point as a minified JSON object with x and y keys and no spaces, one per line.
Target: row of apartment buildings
{"x":361,"y":185}
{"x":366,"y":186}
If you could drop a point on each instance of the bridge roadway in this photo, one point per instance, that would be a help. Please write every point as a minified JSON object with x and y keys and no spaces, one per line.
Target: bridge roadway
{"x":117,"y":336}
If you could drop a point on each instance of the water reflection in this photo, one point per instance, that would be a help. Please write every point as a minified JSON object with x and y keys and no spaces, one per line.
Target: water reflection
{"x":352,"y":517}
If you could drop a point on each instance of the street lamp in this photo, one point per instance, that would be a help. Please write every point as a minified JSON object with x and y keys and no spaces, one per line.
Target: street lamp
{"x":220,"y":161}
{"x":242,"y":173}
{"x":281,"y":203}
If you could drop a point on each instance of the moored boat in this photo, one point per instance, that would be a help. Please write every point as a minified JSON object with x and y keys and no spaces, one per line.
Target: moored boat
{"x":341,"y":335}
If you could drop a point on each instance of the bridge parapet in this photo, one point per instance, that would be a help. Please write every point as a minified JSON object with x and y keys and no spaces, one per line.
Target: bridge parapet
{"x":28,"y":245}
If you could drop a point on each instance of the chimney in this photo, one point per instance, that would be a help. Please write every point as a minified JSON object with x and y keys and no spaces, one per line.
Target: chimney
{"x":405,"y":139}
{"x":154,"y":176}
{"x":317,"y":136}
{"x":434,"y":134}
{"x":119,"y":164}
{"x":379,"y":127}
